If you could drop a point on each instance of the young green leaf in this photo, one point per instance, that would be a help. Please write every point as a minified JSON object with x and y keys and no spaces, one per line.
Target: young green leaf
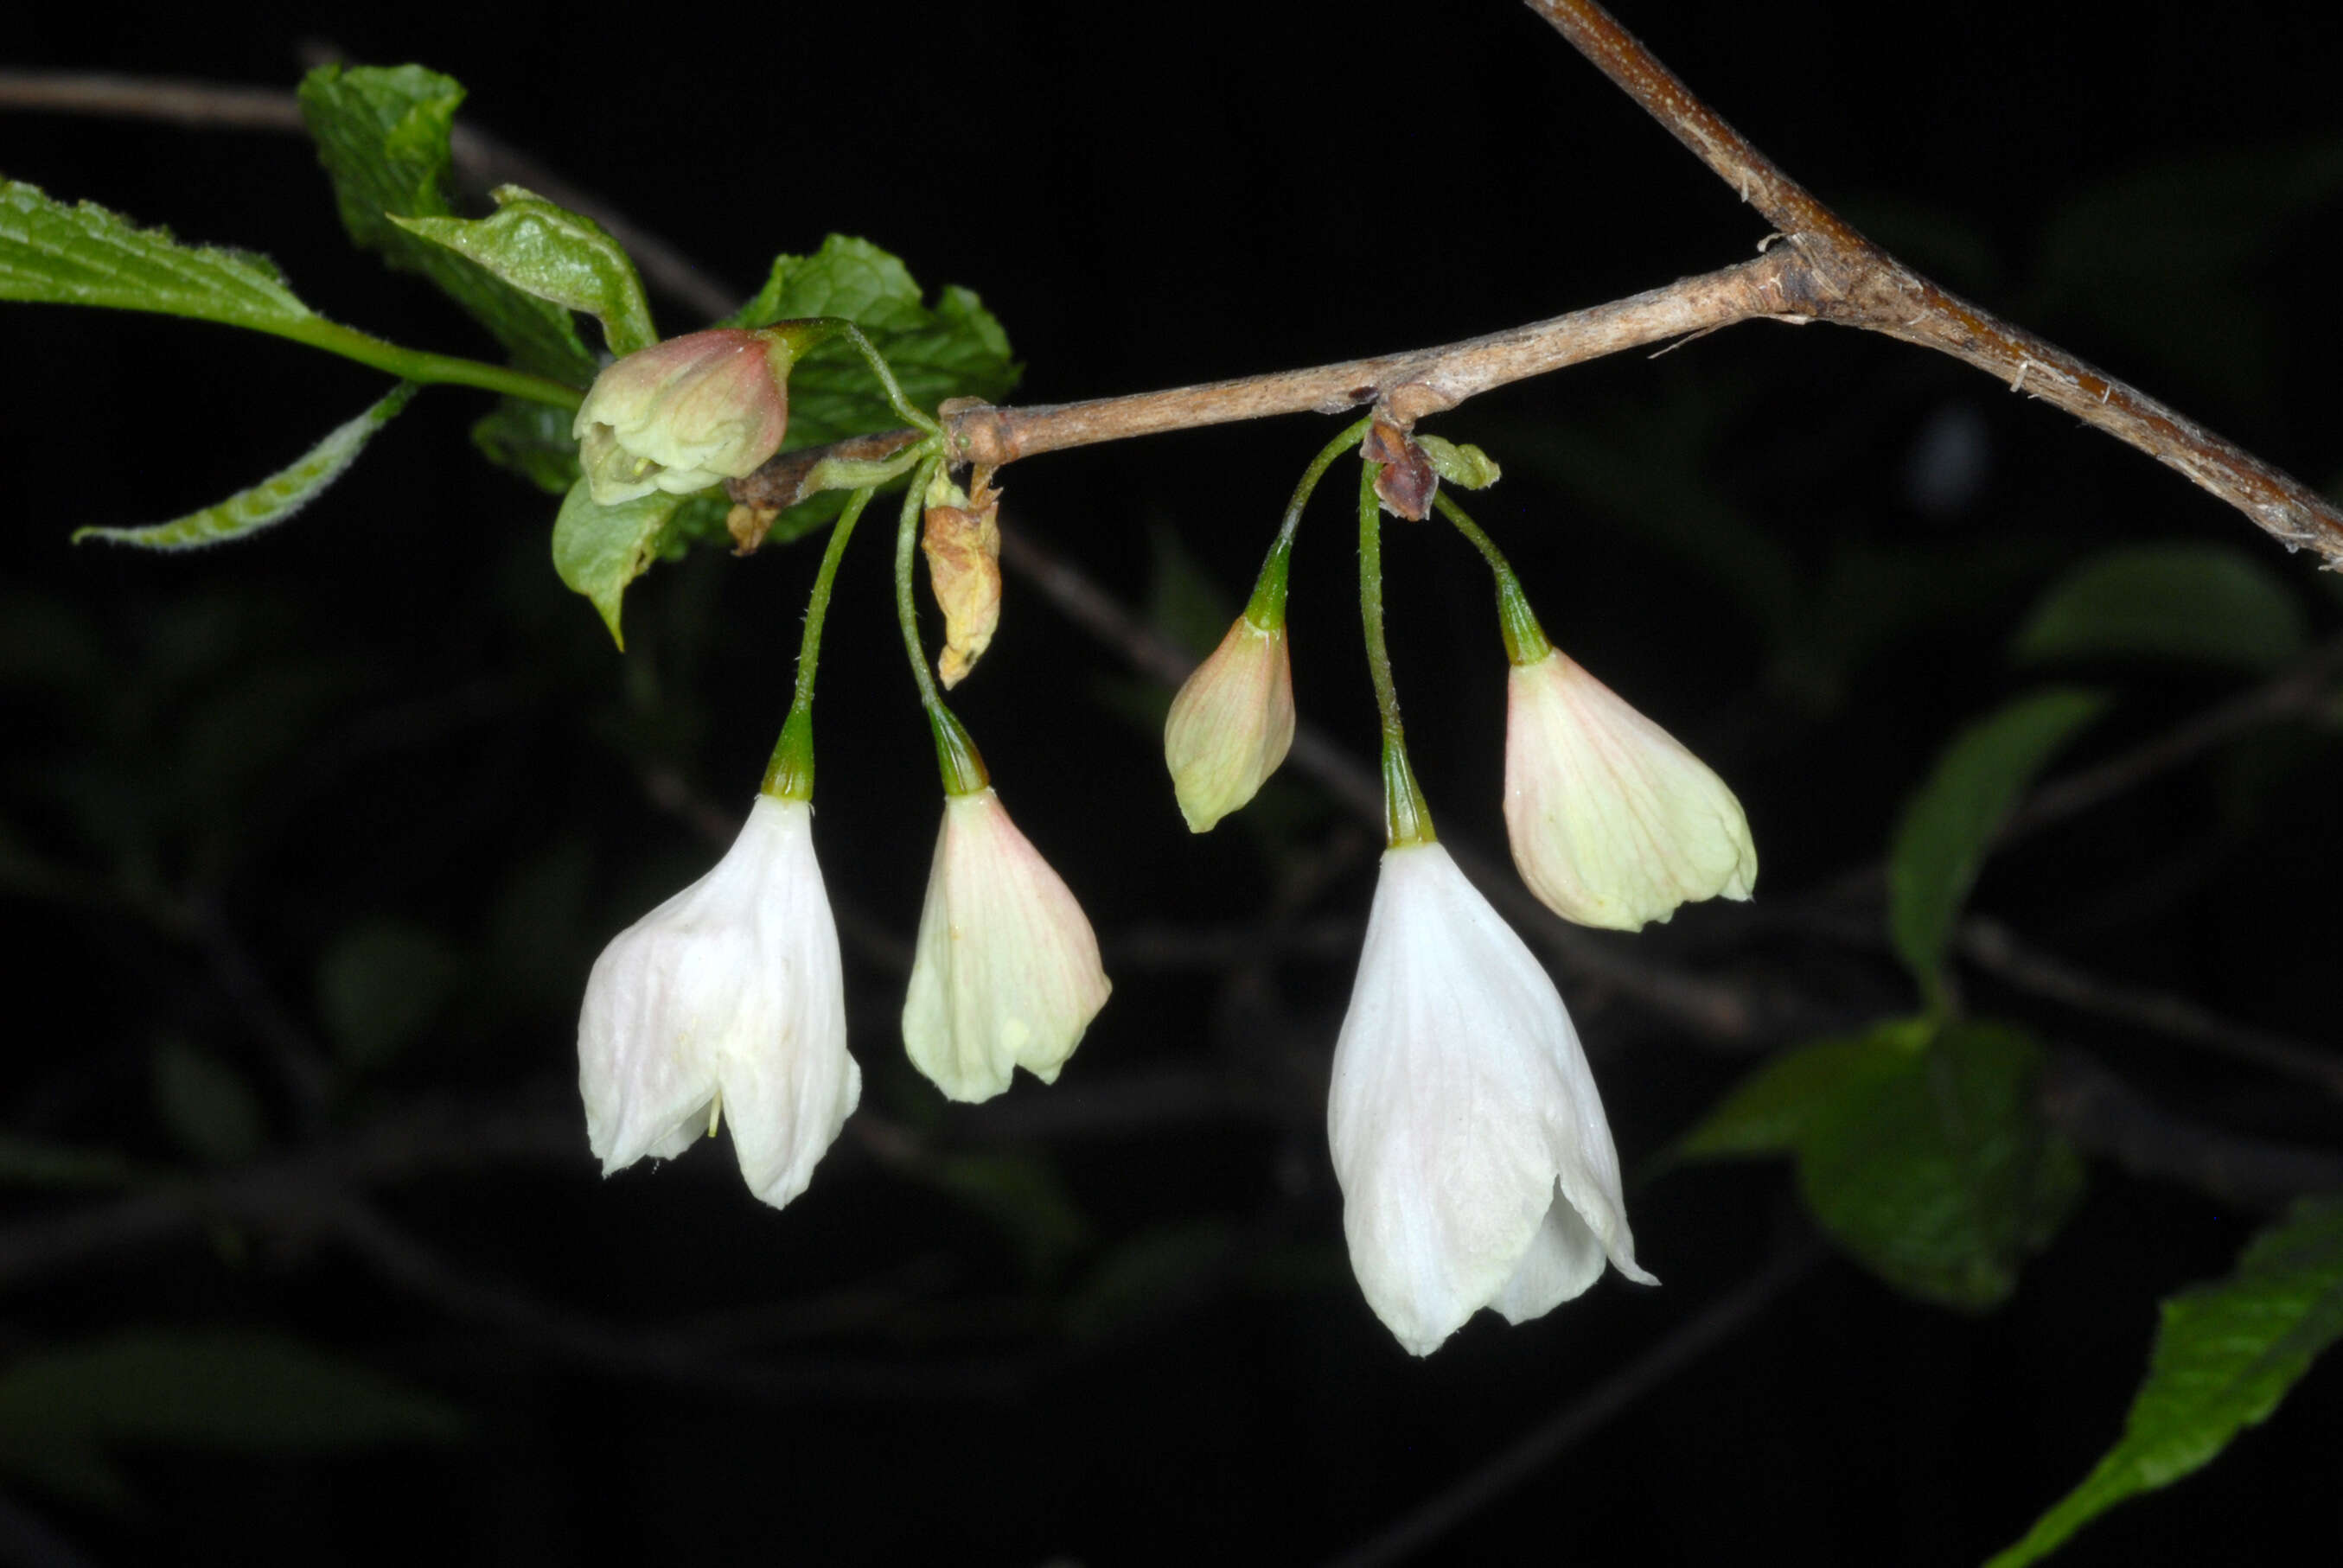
{"x":2196,"y":603}
{"x":533,"y":440}
{"x":218,"y":1389}
{"x":274,"y":498}
{"x":1949,"y":823}
{"x":556,"y":255}
{"x":1467,"y":466}
{"x":382,"y":134}
{"x":2226,"y":1353}
{"x":1920,"y":1150}
{"x":84,"y":255}
{"x":599,"y":549}
{"x":955,"y":349}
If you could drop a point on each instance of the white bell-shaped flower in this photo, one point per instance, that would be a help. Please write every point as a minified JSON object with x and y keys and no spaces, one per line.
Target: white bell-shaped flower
{"x":1476,"y":1167}
{"x":1232,"y":723}
{"x":725,"y":998}
{"x":685,"y":414}
{"x":1007,"y":971}
{"x":1612,"y":823}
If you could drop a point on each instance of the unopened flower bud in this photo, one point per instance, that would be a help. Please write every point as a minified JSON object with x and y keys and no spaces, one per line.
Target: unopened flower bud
{"x":685,"y":414}
{"x":1612,"y":823}
{"x":1232,"y":724}
{"x":1007,"y":971}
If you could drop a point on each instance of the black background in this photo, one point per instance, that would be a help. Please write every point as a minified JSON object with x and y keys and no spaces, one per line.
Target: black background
{"x":1146,"y":196}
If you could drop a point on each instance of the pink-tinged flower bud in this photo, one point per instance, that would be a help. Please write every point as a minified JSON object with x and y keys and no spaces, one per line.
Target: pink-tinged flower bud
{"x":1231,"y":725}
{"x":685,"y":414}
{"x":1007,"y":971}
{"x":1612,"y":823}
{"x":726,"y":999}
{"x":1476,"y":1167}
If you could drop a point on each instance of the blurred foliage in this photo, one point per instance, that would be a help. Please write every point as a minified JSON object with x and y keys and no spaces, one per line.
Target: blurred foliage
{"x":320,"y":838}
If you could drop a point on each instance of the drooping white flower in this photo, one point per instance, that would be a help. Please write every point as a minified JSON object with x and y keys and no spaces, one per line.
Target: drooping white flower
{"x":727,"y":998}
{"x":1476,"y":1167}
{"x":1007,"y":971}
{"x":1232,"y":723}
{"x":684,"y":414}
{"x":1612,"y":823}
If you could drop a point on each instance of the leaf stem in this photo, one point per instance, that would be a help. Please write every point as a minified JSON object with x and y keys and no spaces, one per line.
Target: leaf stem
{"x":420,"y":365}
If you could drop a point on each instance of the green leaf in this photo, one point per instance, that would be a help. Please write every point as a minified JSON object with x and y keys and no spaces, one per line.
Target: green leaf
{"x":205,"y":1103}
{"x":2197,"y":603}
{"x":533,"y":440}
{"x":2226,"y":1353}
{"x":1942,"y":1178}
{"x":1467,"y":466}
{"x":599,"y":549}
{"x":61,"y":1408}
{"x":956,"y":348}
{"x":85,"y":254}
{"x":1775,"y":1108}
{"x":382,"y":134}
{"x":380,"y":985}
{"x":1949,"y":822}
{"x":556,"y":255}
{"x":1923,"y":1155}
{"x":274,"y":498}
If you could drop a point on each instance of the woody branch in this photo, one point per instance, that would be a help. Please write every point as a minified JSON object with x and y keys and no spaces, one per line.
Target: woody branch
{"x":1822,"y":269}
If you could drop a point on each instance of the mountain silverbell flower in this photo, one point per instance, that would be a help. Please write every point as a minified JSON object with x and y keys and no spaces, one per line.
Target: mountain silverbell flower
{"x":686,"y":413}
{"x":1233,"y":721}
{"x":726,"y":1001}
{"x":1612,"y":823}
{"x":1005,"y":973}
{"x":1475,"y":1164}
{"x":1476,"y":1167}
{"x":729,"y":998}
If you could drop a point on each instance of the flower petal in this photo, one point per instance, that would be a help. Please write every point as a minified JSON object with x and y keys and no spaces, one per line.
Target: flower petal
{"x":1461,"y":1102}
{"x":1007,"y":970}
{"x":1231,"y":725}
{"x":730,"y":987}
{"x":1612,"y":823}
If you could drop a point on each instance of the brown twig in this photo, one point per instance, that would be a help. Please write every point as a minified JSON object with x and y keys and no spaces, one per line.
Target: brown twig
{"x":1852,"y":282}
{"x":2105,"y":1116}
{"x":2002,"y":953}
{"x":1825,"y":271}
{"x":1588,"y":1413}
{"x":2296,"y":691}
